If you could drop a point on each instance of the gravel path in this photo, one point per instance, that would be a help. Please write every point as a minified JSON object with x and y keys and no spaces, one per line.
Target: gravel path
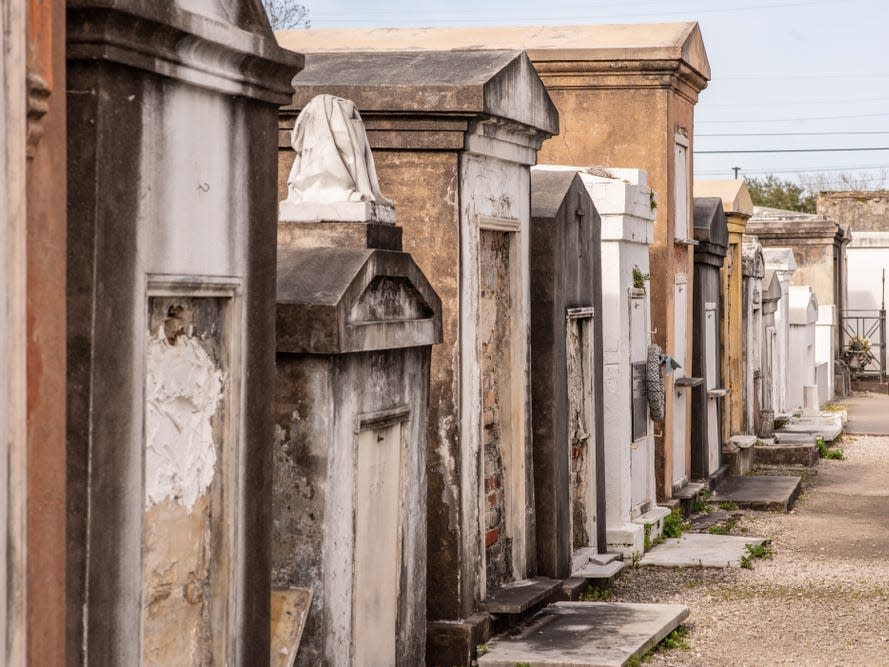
{"x":823,"y":599}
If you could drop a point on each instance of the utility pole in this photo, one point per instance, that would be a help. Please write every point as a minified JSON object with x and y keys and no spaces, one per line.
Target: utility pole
{"x":736,"y":170}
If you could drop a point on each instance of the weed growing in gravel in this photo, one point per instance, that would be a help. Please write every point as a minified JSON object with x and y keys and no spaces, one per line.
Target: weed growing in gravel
{"x":678,"y":639}
{"x":833,"y":407}
{"x":828,"y":452}
{"x":702,"y":507}
{"x":754,"y":552}
{"x":728,"y":505}
{"x":724,"y":528}
{"x":592,"y":594}
{"x":482,"y":649}
{"x":674,"y":524}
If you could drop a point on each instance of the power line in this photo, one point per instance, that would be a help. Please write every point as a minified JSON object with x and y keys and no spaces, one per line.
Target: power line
{"x":795,"y":120}
{"x":800,"y":170}
{"x":793,"y":150}
{"x":794,"y":102}
{"x":788,"y":134}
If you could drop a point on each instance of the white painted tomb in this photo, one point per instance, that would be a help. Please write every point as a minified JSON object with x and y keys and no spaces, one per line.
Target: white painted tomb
{"x":802,"y":318}
{"x":782,"y":262}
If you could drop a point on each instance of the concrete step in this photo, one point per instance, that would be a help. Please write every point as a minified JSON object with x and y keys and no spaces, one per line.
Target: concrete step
{"x":599,"y":576}
{"x":700,"y":550}
{"x":688,"y":495}
{"x":759,"y":492}
{"x":586,"y":634}
{"x":793,"y":453}
{"x":519,"y":596}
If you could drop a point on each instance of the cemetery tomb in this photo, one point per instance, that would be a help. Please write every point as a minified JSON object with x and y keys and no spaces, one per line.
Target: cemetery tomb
{"x":801,"y":361}
{"x":753,"y":272}
{"x":566,"y":372}
{"x":356,"y":320}
{"x":171,"y":240}
{"x":781,"y":261}
{"x":738,"y":207}
{"x":623,"y":200}
{"x":709,"y":398}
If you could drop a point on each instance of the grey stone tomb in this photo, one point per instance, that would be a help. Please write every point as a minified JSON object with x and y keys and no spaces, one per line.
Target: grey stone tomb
{"x":172,"y":138}
{"x":566,"y":373}
{"x":356,"y":320}
{"x":711,"y":233}
{"x":751,"y":306}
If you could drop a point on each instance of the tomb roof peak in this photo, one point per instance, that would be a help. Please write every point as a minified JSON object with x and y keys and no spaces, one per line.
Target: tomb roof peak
{"x":498,"y":83}
{"x":549,"y":189}
{"x":733,"y":192}
{"x":710,"y":224}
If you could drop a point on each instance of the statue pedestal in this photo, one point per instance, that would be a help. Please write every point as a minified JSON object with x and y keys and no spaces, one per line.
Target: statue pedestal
{"x":344,"y":211}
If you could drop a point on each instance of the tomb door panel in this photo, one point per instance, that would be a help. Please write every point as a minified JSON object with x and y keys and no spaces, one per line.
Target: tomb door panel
{"x":189,"y":455}
{"x":711,"y":342}
{"x":504,"y":520}
{"x":641,"y":442}
{"x":680,"y":394}
{"x":378,"y":482}
{"x":581,"y":433}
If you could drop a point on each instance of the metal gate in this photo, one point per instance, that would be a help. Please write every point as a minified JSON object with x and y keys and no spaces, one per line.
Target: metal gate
{"x":864,"y":342}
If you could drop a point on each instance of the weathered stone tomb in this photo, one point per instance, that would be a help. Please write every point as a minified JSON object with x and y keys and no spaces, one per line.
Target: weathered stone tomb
{"x":171,"y":278}
{"x":454,"y":134}
{"x":566,"y":373}
{"x":356,"y":320}
{"x":710,"y":397}
{"x":753,"y":272}
{"x":771,"y":297}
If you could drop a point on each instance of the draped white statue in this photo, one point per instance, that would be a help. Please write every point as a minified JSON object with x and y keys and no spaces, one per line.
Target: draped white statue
{"x":333,"y":178}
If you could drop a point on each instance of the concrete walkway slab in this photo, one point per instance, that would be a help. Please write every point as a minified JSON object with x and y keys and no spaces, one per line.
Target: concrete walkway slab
{"x":759,"y":492}
{"x":827,"y":426}
{"x":700,"y":550}
{"x":587,"y":634}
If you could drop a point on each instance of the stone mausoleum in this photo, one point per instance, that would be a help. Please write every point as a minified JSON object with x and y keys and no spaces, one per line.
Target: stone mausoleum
{"x":171,"y":330}
{"x":356,"y":320}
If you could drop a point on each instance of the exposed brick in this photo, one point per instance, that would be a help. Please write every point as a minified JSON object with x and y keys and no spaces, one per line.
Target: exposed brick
{"x":491,"y":537}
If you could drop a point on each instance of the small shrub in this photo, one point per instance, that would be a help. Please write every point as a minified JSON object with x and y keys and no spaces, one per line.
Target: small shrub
{"x":827,"y":452}
{"x":754,"y":552}
{"x":674,"y":524}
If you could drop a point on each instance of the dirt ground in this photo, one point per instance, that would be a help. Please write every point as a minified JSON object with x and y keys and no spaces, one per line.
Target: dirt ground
{"x":823,"y":597}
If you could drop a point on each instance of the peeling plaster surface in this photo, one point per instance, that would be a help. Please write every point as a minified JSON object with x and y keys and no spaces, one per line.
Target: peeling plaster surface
{"x":183,"y":391}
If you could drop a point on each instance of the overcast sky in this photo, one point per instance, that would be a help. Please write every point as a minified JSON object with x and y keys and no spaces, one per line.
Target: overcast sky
{"x":779,"y":67}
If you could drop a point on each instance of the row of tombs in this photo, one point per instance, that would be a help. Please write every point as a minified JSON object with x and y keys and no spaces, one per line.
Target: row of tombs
{"x":471,"y":406}
{"x":559,"y":433}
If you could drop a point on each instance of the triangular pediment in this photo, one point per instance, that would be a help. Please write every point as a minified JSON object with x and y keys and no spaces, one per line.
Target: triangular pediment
{"x":389,"y":299}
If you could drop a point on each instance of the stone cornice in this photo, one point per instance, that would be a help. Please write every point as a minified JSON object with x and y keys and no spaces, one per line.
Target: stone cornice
{"x":166,"y":40}
{"x":675,"y":75}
